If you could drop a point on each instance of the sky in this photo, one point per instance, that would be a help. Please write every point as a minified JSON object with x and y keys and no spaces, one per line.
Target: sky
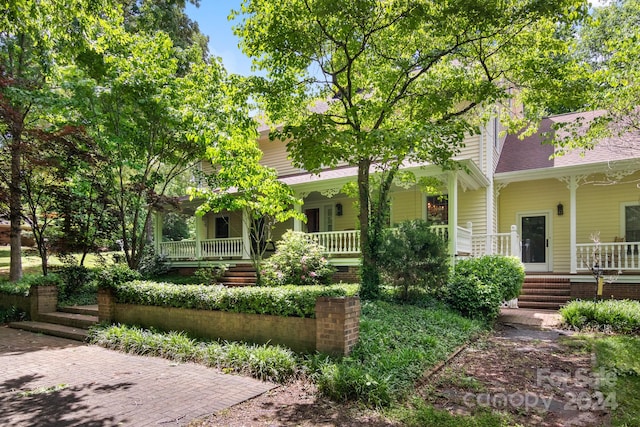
{"x":211,"y":16}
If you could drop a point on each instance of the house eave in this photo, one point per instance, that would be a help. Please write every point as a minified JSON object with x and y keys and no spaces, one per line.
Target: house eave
{"x":559,"y":172}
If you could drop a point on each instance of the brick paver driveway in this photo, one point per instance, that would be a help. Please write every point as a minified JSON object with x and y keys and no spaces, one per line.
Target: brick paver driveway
{"x":49,"y":381}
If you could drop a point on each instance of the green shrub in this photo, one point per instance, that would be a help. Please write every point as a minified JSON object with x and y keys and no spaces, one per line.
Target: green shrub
{"x":50,"y":279}
{"x":474,"y":298}
{"x":115,"y":275}
{"x":20,"y":287}
{"x":210,"y":275}
{"x":507,"y":273}
{"x":298,"y":260}
{"x":152,"y":264}
{"x":616,"y":315}
{"x":74,"y":278}
{"x":398,"y":343}
{"x":294,"y":301}
{"x":265,"y":362}
{"x":413,"y":256}
{"x":12,"y":314}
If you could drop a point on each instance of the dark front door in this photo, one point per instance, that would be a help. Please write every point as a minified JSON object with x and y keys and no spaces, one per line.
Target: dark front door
{"x":535,"y":242}
{"x":313,"y":220}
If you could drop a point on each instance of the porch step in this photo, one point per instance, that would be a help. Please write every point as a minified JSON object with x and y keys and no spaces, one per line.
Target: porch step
{"x":239,"y":275}
{"x":91,"y":310}
{"x":543,"y":305}
{"x":544,"y":293}
{"x":69,"y":332}
{"x":73,"y":320}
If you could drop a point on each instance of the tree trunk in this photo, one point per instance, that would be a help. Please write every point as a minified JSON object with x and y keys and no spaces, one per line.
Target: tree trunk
{"x":369,"y":276}
{"x":15,"y":205}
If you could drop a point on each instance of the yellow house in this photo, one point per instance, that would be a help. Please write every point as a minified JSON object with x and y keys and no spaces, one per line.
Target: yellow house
{"x":511,"y":198}
{"x":464,"y":207}
{"x":578,"y":214}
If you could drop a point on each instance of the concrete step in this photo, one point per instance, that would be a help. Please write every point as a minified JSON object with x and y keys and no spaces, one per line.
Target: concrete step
{"x":73,"y":320}
{"x":545,"y":291}
{"x":91,"y":310}
{"x":77,"y":334}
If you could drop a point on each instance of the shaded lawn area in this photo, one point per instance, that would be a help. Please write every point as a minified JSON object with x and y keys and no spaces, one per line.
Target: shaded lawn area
{"x":31,"y":263}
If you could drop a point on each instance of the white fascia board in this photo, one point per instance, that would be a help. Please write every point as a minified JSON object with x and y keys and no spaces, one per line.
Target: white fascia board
{"x":546,"y":173}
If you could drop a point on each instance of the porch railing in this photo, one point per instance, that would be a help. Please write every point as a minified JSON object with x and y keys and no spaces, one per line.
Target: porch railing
{"x":335,"y":243}
{"x":209,"y":248}
{"x":222,"y":248}
{"x":348,"y":242}
{"x":179,"y":250}
{"x":618,"y":256}
{"x":492,"y":244}
{"x":338,"y":242}
{"x":505,"y":244}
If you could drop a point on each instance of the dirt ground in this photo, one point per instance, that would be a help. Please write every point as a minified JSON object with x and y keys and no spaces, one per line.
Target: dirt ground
{"x":540,"y":378}
{"x":296,"y":404}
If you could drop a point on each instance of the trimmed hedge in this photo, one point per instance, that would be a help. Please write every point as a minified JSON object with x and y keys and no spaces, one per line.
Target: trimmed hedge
{"x":22,"y":286}
{"x":286,"y":301}
{"x":616,"y":315}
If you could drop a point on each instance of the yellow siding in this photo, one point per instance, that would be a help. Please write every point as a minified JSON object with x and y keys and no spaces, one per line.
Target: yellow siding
{"x":406,"y":205}
{"x":206,"y":167}
{"x":471,"y":149}
{"x":599,"y":208}
{"x":275,"y":156}
{"x":349,"y":218}
{"x":280,"y":229}
{"x":235,"y":224}
{"x":472,"y":207}
{"x":539,"y":196}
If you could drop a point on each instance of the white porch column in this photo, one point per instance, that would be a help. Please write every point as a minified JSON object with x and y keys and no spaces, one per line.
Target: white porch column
{"x":453,"y":213}
{"x":297,"y":224}
{"x":515,"y":242}
{"x":573,"y":186}
{"x":198,"y":223}
{"x":246,"y":235}
{"x":157,"y":231}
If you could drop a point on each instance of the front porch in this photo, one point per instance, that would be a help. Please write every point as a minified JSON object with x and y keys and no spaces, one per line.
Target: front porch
{"x":342,"y":246}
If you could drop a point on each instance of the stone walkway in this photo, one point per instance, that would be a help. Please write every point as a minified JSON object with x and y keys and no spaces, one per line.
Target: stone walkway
{"x":49,"y":381}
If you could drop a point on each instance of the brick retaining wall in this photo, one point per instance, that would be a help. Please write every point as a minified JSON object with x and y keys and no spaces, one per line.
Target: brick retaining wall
{"x":335,"y":329}
{"x":614,"y":290}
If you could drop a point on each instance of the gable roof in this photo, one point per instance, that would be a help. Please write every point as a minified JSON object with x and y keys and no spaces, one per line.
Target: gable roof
{"x":532,"y":153}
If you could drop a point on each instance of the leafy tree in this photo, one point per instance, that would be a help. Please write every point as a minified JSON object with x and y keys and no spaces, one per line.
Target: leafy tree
{"x":241,"y":183}
{"x":152,"y":119}
{"x":609,"y":45}
{"x":377,"y":83}
{"x":37,"y":38}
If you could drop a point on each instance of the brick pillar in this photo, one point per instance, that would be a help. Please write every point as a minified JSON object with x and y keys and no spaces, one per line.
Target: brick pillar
{"x":44,"y":299}
{"x":337,"y":324}
{"x":106,"y":305}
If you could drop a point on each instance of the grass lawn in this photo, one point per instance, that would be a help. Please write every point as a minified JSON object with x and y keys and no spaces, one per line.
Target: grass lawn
{"x":619,"y":358}
{"x":31,"y":263}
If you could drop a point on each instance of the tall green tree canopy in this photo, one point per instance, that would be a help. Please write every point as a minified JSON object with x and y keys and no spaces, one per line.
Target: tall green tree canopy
{"x":376,"y":83}
{"x":154,"y":116}
{"x":609,"y":44}
{"x":36,"y":38}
